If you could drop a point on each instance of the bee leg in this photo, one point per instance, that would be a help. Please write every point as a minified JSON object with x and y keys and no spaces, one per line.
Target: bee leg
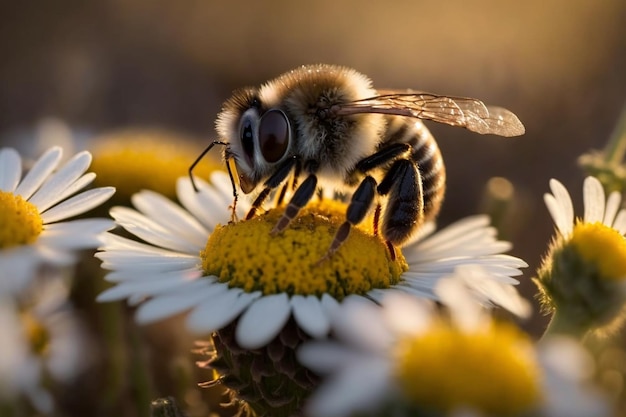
{"x":357,"y":209}
{"x":272,"y":182}
{"x":376,"y":220}
{"x":405,"y":205}
{"x":286,"y":186}
{"x":302,"y":196}
{"x":258,"y":202}
{"x":382,"y":157}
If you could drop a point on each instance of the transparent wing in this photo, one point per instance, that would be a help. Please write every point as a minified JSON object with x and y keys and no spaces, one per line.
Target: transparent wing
{"x":469,"y":113}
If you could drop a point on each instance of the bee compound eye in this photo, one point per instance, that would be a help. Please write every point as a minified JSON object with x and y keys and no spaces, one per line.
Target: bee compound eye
{"x":247,"y":138}
{"x":274,"y":134}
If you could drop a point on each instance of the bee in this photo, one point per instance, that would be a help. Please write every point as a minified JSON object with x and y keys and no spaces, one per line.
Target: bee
{"x":323,"y":126}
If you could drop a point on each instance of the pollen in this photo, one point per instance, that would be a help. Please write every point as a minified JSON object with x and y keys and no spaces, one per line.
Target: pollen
{"x":601,"y":246}
{"x":247,"y":256}
{"x":491,"y":371}
{"x":134,"y":160}
{"x":20,"y":222}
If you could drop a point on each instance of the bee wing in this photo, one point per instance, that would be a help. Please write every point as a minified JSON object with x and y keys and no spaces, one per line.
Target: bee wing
{"x":469,"y":113}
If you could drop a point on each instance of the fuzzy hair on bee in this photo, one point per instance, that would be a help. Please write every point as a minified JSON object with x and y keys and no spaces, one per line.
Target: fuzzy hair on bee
{"x":326,"y":126}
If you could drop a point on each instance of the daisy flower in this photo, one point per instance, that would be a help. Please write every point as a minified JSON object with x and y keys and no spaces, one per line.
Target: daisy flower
{"x":404,"y":358}
{"x":582,"y":279}
{"x":265,"y":294}
{"x":138,"y":158}
{"x":43,"y":342}
{"x":243,"y":272}
{"x":34,"y":210}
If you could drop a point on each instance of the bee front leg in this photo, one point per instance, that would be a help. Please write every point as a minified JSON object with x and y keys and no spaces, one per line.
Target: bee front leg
{"x":404,"y":212}
{"x":300,"y":198}
{"x":271,"y":183}
{"x":358,"y":208}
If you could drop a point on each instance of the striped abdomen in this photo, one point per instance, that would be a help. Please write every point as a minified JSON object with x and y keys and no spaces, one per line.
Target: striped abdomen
{"x":426,"y":155}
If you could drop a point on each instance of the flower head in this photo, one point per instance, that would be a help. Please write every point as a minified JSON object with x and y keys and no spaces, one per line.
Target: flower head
{"x":261,"y":295}
{"x":238,"y":271}
{"x":43,"y":342}
{"x":405,"y":358}
{"x":135,"y":159}
{"x":34,"y":210}
{"x":583,"y":277}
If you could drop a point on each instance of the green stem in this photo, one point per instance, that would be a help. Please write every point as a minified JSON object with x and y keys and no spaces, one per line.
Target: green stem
{"x":616,"y":146}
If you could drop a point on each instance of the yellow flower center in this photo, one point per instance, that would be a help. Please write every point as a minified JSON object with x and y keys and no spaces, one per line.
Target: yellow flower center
{"x":491,"y":371}
{"x":20,"y":222}
{"x":602,"y":246}
{"x":245,"y":255}
{"x":36,"y":334}
{"x":135,"y":160}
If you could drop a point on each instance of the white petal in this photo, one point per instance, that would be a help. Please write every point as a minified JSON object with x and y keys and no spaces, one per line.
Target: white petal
{"x":165,"y":306}
{"x":327,"y":357}
{"x":70,"y":241}
{"x":357,"y":389}
{"x":564,"y":206}
{"x":118,"y":243}
{"x":93,"y":225}
{"x":563,"y":225}
{"x":593,"y":196}
{"x":156,"y":264}
{"x":221,"y":183}
{"x":183,"y":275}
{"x":161,"y":284}
{"x":263,"y":320}
{"x":39,"y":172}
{"x":10,"y":169}
{"x":77,"y":185}
{"x":48,"y":194}
{"x":151,"y":231}
{"x":207,"y":206}
{"x":360,"y":322}
{"x":79,"y":204}
{"x":330,"y":305}
{"x":620,"y":222}
{"x":219,"y":310}
{"x":121,"y":291}
{"x":405,"y":314}
{"x":170,"y":215}
{"x":455,"y":231}
{"x":308,"y":313}
{"x":18,"y":266}
{"x":612,"y":207}
{"x":77,"y":234}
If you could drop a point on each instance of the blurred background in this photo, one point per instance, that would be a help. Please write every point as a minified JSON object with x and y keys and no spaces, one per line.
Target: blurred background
{"x":560,"y":65}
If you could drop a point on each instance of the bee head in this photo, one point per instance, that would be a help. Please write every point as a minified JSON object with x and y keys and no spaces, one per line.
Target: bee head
{"x":258,"y":138}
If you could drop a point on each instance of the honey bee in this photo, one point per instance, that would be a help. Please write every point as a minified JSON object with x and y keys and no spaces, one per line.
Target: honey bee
{"x":327,"y":126}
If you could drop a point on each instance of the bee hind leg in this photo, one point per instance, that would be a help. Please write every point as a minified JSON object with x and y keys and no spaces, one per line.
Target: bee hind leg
{"x":357,"y":210}
{"x":404,"y":212}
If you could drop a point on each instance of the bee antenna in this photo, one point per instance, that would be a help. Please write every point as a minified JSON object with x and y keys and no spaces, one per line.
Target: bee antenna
{"x":199,"y":158}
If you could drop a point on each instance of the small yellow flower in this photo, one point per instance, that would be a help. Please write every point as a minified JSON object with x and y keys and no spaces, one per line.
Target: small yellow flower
{"x":582,"y":278}
{"x":136,"y":159}
{"x":492,"y":369}
{"x":35,"y":212}
{"x":404,"y":357}
{"x":602,"y":246}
